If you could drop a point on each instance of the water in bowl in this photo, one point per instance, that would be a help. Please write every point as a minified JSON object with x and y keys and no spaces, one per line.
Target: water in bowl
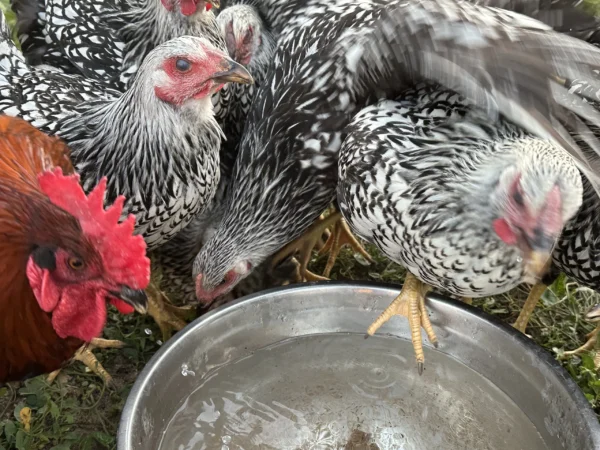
{"x":340,"y":391}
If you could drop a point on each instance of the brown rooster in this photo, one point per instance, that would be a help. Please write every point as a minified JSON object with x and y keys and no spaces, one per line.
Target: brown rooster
{"x":63,"y":256}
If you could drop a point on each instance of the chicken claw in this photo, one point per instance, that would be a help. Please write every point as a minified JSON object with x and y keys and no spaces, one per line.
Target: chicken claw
{"x":85,"y":355}
{"x":340,"y":236}
{"x":410,"y":303}
{"x":304,"y":246}
{"x":168,"y":317}
{"x":593,"y":315}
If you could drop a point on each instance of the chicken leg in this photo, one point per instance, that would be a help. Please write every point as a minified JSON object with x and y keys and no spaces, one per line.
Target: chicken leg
{"x":168,"y":317}
{"x":593,"y":315}
{"x":532,"y":300}
{"x":340,"y":236}
{"x":85,"y":355}
{"x":304,"y":245}
{"x":411,"y":304}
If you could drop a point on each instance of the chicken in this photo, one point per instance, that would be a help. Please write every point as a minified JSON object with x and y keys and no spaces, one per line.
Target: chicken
{"x":332,"y":59}
{"x":158,"y":143}
{"x":250,"y":43}
{"x":64,"y":257}
{"x":106,"y":40}
{"x":468,"y":205}
{"x":577,"y":252}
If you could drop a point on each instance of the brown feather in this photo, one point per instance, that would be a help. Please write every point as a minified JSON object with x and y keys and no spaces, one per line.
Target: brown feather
{"x":28,"y":344}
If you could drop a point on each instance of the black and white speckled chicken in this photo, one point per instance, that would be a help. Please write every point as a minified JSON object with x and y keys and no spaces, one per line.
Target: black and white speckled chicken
{"x":468,"y":205}
{"x":158,"y":143}
{"x":250,"y":43}
{"x":577,"y":252}
{"x":106,"y":40}
{"x":332,"y":57}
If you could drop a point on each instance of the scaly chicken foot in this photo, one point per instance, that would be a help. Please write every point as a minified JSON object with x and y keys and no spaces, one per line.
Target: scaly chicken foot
{"x":532,"y":300}
{"x":411,"y":304}
{"x":339,"y":237}
{"x":304,"y":245}
{"x":84,"y":354}
{"x":590,"y":345}
{"x":167,"y":316}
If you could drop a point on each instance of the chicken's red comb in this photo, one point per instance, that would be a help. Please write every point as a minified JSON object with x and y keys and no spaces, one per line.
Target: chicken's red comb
{"x":123,"y":253}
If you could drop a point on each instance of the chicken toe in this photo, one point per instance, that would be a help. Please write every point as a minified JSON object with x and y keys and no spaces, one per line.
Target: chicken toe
{"x":593,"y":315}
{"x":84,"y":354}
{"x":340,"y":236}
{"x":411,"y":304}
{"x":304,"y":245}
{"x":167,"y":316}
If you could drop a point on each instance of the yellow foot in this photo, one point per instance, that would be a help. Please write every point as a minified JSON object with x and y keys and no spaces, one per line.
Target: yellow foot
{"x":304,"y":246}
{"x":85,"y":355}
{"x":168,"y":316}
{"x":341,"y":236}
{"x":467,"y":300}
{"x":593,"y":315}
{"x":589,"y":344}
{"x":322,"y":241}
{"x":532,"y":300}
{"x":411,"y":304}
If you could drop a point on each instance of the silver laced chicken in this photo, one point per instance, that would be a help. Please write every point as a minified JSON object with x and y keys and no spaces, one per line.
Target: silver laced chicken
{"x":468,"y":205}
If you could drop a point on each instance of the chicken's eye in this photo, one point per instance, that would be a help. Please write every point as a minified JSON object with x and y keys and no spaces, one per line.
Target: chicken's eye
{"x":75,"y":263}
{"x":518,"y":197}
{"x":183,"y":65}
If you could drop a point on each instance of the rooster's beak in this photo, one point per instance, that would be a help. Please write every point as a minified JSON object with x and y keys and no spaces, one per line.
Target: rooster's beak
{"x":233,"y":73}
{"x":136,"y":298}
{"x":215,"y":3}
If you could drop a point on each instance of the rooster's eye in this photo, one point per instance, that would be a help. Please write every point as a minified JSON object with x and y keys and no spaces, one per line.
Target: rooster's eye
{"x":75,"y":263}
{"x":183,"y":65}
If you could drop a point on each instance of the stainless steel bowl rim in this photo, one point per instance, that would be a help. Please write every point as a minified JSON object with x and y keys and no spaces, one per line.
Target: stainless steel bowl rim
{"x":544,"y":356}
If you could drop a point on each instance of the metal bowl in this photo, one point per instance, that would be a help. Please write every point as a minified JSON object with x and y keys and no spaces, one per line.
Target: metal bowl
{"x":289,"y":368}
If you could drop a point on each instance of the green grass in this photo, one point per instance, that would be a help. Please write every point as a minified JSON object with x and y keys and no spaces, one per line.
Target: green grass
{"x":79,"y":412}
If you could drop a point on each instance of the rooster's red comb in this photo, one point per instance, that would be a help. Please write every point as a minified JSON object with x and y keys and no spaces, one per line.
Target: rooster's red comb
{"x":123,"y":254}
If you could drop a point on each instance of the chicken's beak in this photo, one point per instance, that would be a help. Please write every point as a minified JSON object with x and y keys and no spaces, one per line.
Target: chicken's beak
{"x":233,"y":73}
{"x":137,"y":298}
{"x":215,"y":3}
{"x":536,"y":264}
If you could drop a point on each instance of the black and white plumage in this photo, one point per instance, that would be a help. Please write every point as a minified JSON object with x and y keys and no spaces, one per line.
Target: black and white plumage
{"x":250,"y":43}
{"x":175,"y":258}
{"x":158,"y":143}
{"x":332,"y":56}
{"x":104,"y":40}
{"x":426,"y":178}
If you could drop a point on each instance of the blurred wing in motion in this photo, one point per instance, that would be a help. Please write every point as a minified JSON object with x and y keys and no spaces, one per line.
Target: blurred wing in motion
{"x":503,"y":62}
